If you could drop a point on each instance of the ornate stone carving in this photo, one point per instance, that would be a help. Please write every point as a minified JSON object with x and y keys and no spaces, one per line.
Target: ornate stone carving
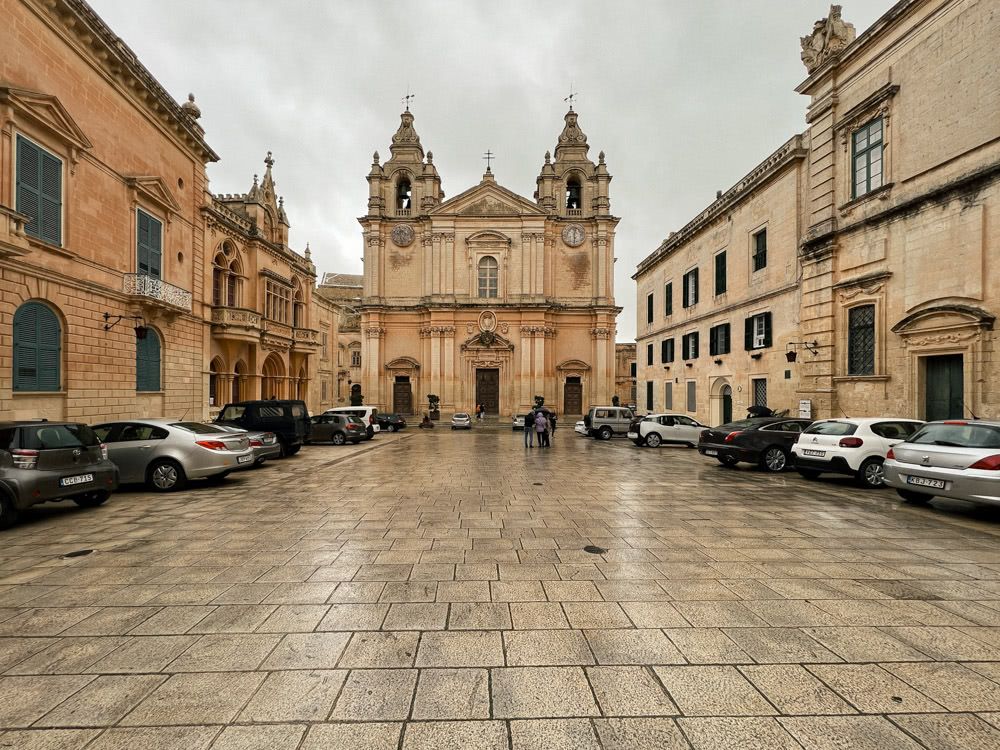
{"x":600,"y":333}
{"x":574,"y":235}
{"x":489,"y":207}
{"x":402,"y":235}
{"x":852,"y":292}
{"x":829,"y":37}
{"x":503,"y":328}
{"x":954,"y":337}
{"x":375,"y":241}
{"x":375,"y":332}
{"x":487,"y":321}
{"x":571,"y":134}
{"x":487,"y":338}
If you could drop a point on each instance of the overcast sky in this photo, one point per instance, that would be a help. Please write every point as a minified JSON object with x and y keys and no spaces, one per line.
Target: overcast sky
{"x":684,"y":97}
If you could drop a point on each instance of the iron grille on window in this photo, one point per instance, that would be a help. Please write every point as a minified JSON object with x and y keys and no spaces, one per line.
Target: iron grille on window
{"x":861,"y":341}
{"x":759,"y":391}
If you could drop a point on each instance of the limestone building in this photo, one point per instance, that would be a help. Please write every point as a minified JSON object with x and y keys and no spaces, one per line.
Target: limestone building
{"x":625,"y":372}
{"x":264,"y":340}
{"x":341,"y":293}
{"x":885,"y":287}
{"x":488,"y":297}
{"x":103,"y":309}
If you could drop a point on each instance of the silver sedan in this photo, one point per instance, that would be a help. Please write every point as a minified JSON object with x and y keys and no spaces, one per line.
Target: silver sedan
{"x":265,"y":444}
{"x":165,"y":453}
{"x":955,"y":458}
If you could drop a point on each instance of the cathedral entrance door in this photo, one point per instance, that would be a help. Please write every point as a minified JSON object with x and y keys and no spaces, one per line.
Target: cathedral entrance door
{"x":573,"y":396}
{"x":488,"y":389}
{"x":402,"y":395}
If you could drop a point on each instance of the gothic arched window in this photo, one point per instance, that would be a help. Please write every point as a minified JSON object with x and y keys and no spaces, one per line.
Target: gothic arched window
{"x":574,"y":193}
{"x":488,"y":277}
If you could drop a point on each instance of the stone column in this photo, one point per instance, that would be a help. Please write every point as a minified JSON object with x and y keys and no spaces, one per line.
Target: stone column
{"x":449,"y":366}
{"x":524,"y":375}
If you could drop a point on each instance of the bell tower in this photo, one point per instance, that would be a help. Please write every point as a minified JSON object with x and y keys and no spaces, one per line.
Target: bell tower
{"x":573,"y":186}
{"x":407,"y":184}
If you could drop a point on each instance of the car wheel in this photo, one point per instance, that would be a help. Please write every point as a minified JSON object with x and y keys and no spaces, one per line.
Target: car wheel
{"x":808,"y":473}
{"x":8,"y":511}
{"x":917,"y":498}
{"x":293,"y":449}
{"x":166,"y":475}
{"x":338,"y":438}
{"x":92,"y":499}
{"x":653,"y":440}
{"x":871,"y":474}
{"x":774,"y":459}
{"x":727,"y":461}
{"x":605,"y":433}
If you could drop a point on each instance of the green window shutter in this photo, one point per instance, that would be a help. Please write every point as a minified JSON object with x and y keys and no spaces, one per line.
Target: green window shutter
{"x":28,"y":199}
{"x":50,"y":200}
{"x":694,"y":295}
{"x":37,"y":344}
{"x":668,"y":294}
{"x":147,"y":362}
{"x":149,"y":233}
{"x":713,"y":336}
{"x":767,"y":329}
{"x":720,"y":273}
{"x":694,"y":345}
{"x":726,"y":344}
{"x":748,"y":333}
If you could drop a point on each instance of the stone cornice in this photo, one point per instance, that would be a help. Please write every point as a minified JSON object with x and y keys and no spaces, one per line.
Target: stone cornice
{"x":79,"y":21}
{"x":791,"y":151}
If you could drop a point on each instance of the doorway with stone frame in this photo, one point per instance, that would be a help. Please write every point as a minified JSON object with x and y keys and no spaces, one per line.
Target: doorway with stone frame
{"x":488,"y":389}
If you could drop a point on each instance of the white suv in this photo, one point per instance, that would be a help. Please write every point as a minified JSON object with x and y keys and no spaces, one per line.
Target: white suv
{"x":655,"y":429}
{"x":855,"y":447}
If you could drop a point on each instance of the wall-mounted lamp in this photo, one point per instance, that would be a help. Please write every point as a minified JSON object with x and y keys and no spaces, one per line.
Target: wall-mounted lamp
{"x":689,"y":364}
{"x":717,"y":361}
{"x":756,"y":355}
{"x":666,"y":367}
{"x":810,"y":346}
{"x":141,"y":330}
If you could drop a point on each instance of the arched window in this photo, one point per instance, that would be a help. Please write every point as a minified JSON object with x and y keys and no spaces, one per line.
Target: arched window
{"x":147,"y":361}
{"x":403,"y":193}
{"x":218,"y":279}
{"x":37,"y":348}
{"x":488,"y":277}
{"x":574,"y":194}
{"x":215,"y":368}
{"x":233,"y":283}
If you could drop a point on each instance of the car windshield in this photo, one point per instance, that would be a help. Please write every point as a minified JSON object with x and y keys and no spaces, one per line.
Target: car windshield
{"x":230,"y":413}
{"x":53,"y":436}
{"x":958,"y":435}
{"x":461,"y":415}
{"x":197,"y":428}
{"x":832,"y":428}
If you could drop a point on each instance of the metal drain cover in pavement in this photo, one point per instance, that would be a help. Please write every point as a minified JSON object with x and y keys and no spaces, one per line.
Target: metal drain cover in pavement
{"x":594,"y":550}
{"x":78,"y":553}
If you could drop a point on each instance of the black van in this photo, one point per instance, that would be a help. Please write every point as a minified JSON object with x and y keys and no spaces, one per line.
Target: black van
{"x":289,"y":420}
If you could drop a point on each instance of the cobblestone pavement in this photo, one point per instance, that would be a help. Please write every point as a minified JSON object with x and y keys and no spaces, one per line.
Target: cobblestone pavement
{"x":431,"y":590}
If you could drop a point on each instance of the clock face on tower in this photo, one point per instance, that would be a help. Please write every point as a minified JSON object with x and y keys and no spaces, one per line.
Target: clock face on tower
{"x":574,"y":235}
{"x":402,"y":235}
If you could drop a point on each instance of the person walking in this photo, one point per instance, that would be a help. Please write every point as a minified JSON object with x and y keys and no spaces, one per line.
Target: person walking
{"x":552,"y":426}
{"x":541,"y":427}
{"x":529,"y":430}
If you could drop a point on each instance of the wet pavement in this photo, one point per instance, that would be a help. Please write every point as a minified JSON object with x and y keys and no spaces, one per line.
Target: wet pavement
{"x":431,"y":590}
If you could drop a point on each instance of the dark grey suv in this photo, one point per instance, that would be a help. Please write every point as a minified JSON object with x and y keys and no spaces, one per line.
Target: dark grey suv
{"x":42,"y":462}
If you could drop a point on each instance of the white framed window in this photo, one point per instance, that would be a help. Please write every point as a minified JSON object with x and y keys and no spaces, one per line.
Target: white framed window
{"x":759,"y":332}
{"x":489,"y":277}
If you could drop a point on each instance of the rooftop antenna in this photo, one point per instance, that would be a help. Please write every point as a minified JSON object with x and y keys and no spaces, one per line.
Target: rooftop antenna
{"x":406,"y":99}
{"x":488,"y":157}
{"x":572,"y":97}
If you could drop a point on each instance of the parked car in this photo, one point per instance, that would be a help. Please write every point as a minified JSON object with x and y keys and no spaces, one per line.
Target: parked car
{"x":44,"y":462}
{"x":265,"y":444}
{"x":164,"y":453}
{"x":580,"y":428}
{"x":461,"y":421}
{"x":390,"y":422}
{"x":605,"y":422}
{"x":517,"y":421}
{"x":954,"y":458}
{"x":288,"y":419}
{"x":855,"y":447}
{"x":765,"y":441}
{"x":337,"y":429}
{"x":367,"y":414}
{"x":655,"y":429}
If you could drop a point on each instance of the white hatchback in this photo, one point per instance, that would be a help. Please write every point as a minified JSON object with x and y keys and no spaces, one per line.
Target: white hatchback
{"x":855,"y":447}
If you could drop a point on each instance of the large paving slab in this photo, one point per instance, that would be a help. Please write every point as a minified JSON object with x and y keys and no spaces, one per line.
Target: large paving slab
{"x":432,"y":590}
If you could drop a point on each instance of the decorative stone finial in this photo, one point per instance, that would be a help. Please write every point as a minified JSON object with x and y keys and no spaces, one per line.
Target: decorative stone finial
{"x":191,"y":109}
{"x":600,"y":158}
{"x":430,"y":157}
{"x":375,"y":158}
{"x":548,"y":157}
{"x":828,"y":39}
{"x":281,"y":202}
{"x":268,"y":160}
{"x":255,"y":180}
{"x":308,"y":252}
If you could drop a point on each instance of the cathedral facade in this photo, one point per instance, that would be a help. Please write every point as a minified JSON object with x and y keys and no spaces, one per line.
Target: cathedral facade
{"x":488,"y":297}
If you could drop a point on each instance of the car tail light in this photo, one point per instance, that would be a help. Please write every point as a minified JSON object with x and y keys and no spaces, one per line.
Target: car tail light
{"x":104,"y":451}
{"x":24,"y":458}
{"x":890,"y":455}
{"x":212,"y":445}
{"x":257,"y":443}
{"x":851,"y":442}
{"x":990,"y":463}
{"x":732,"y":436}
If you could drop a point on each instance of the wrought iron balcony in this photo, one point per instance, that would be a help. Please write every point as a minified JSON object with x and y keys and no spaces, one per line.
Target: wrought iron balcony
{"x":146,"y":289}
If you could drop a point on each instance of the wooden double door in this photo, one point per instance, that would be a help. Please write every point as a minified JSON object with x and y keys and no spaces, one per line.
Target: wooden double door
{"x":488,"y":389}
{"x":402,"y":397}
{"x":573,"y":396}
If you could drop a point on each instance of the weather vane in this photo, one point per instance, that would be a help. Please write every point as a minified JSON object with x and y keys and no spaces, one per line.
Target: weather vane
{"x":572,"y":97}
{"x":406,"y":99}
{"x":489,"y":157}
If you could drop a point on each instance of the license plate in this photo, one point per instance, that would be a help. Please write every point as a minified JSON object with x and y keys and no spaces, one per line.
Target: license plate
{"x":633,"y":435}
{"x":79,"y":479}
{"x":244,"y":459}
{"x":937,"y":484}
{"x":711,"y":453}
{"x":813,"y":453}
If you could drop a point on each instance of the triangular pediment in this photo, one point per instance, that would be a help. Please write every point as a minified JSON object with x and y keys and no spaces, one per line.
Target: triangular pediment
{"x":487,"y":199}
{"x":47,"y":111}
{"x":154,"y":189}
